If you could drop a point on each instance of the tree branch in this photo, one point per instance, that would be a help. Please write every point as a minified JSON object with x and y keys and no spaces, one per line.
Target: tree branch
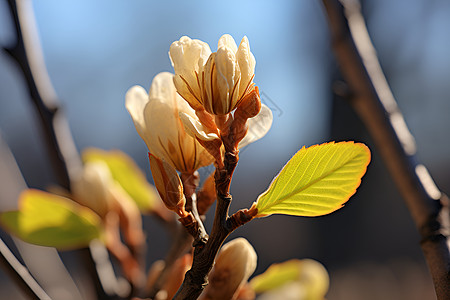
{"x":372,"y":99}
{"x":27,"y":53}
{"x":196,"y":278}
{"x":60,"y":145}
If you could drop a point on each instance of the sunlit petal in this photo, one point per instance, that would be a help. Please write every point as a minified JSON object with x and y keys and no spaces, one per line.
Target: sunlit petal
{"x":227,"y":41}
{"x":157,"y":120}
{"x":188,"y":58}
{"x":258,"y":126}
{"x":247,"y":64}
{"x":196,"y":129}
{"x":135,"y":100}
{"x":227,"y":78}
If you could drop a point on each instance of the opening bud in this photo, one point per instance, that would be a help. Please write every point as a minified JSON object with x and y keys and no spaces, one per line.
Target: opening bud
{"x":168,"y":184}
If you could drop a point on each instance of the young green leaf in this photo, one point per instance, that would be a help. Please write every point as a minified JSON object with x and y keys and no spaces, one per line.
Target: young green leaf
{"x":125,"y":171}
{"x":316,"y":181}
{"x":49,"y":220}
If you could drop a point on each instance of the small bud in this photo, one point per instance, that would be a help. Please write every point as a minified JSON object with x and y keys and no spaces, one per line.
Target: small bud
{"x":92,"y":187}
{"x":235,"y":263}
{"x":168,"y":184}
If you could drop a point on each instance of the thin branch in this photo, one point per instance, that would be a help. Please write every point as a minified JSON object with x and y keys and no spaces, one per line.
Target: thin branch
{"x":20,"y":274}
{"x":196,"y":278}
{"x":60,"y":145}
{"x":27,"y":53}
{"x":372,"y":99}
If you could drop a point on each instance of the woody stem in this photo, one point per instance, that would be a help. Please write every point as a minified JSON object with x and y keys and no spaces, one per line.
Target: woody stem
{"x":196,"y":278}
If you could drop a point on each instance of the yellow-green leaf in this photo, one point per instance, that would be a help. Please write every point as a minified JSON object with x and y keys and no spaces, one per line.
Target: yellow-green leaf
{"x":49,"y":220}
{"x":125,"y":171}
{"x":316,"y":181}
{"x":309,"y":276}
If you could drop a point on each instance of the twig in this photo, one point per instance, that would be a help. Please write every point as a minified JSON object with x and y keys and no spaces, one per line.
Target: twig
{"x":196,"y":278}
{"x":27,"y":53}
{"x":372,"y":99}
{"x":21,"y":275}
{"x":60,"y":145}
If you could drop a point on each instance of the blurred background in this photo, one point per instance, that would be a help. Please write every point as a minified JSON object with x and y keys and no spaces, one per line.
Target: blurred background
{"x":95,"y":50}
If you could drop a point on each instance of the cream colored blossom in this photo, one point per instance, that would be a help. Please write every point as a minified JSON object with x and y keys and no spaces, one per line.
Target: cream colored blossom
{"x":156,"y":118}
{"x":215,"y":81}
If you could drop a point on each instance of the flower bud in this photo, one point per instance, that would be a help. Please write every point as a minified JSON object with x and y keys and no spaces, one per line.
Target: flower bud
{"x":168,"y":184}
{"x":91,"y":187}
{"x":156,"y":116}
{"x":234,"y":264}
{"x":215,"y":81}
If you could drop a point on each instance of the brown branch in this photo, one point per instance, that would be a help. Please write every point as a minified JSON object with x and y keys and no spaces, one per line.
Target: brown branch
{"x":60,"y":145}
{"x":372,"y":99}
{"x":27,"y":53}
{"x":204,"y":255}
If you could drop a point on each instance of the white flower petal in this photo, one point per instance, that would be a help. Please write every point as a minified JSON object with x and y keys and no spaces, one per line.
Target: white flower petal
{"x":136,"y":99}
{"x":188,"y":58}
{"x":227,"y":41}
{"x":185,"y":91}
{"x":195,"y":128}
{"x":247,"y":64}
{"x":209,"y":84}
{"x":258,"y":126}
{"x":156,"y":117}
{"x":162,"y":87}
{"x":227,"y":77}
